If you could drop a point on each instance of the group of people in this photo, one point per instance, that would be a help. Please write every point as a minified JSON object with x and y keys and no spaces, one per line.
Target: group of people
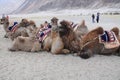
{"x":97,"y":18}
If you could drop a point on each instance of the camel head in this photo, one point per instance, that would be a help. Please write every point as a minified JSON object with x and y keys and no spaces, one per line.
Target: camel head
{"x":54,"y":21}
{"x":4,"y":21}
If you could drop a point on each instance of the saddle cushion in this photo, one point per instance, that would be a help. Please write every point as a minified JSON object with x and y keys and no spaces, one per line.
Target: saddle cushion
{"x":107,"y":37}
{"x":13,"y":27}
{"x":109,"y":40}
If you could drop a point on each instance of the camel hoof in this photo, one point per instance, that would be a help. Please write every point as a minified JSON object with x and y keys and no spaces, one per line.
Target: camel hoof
{"x":5,"y":36}
{"x":10,"y":49}
{"x":84,"y":55}
{"x":65,"y":51}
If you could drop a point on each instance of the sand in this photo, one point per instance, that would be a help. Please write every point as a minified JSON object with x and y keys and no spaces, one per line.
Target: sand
{"x":45,"y":66}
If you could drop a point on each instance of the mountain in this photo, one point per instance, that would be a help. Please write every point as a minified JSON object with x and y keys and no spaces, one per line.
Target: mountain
{"x":33,"y":6}
{"x":7,"y":6}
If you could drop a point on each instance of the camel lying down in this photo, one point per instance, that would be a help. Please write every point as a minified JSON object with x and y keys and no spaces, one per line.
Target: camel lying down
{"x":57,"y":41}
{"x":16,"y":29}
{"x":92,"y":44}
{"x":25,"y":44}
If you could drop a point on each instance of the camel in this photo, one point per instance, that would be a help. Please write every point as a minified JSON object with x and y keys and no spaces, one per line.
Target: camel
{"x":97,"y":42}
{"x":80,"y":29}
{"x":18,"y":29}
{"x":28,"y":44}
{"x":33,"y":41}
{"x":57,"y":41}
{"x":5,"y":23}
{"x":61,"y":40}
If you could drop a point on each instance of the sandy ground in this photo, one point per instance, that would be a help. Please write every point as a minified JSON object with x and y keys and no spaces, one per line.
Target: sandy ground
{"x":45,"y":66}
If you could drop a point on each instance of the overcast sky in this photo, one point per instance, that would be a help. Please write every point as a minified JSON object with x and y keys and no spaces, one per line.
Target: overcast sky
{"x":9,"y":5}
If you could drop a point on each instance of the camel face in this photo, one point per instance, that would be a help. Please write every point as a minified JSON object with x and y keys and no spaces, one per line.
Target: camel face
{"x":54,"y":21}
{"x":4,"y":21}
{"x":91,"y":44}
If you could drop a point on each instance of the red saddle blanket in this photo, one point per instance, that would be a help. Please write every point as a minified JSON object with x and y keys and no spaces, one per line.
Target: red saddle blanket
{"x":109,"y":40}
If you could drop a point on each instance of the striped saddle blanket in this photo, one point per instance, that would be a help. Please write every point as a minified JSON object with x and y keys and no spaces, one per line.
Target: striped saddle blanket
{"x":74,"y":26}
{"x":109,"y":39}
{"x":41,"y":35}
{"x":14,"y":27}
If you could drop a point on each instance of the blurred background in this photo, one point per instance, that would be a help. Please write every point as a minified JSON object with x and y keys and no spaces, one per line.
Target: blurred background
{"x":35,"y":6}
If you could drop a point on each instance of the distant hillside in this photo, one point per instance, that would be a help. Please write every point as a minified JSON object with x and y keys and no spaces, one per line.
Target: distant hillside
{"x":32,"y":6}
{"x":7,"y":6}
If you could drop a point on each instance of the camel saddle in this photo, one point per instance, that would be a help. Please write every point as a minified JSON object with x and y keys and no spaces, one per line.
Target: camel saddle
{"x":109,"y":39}
{"x":43,"y":34}
{"x":14,"y":27}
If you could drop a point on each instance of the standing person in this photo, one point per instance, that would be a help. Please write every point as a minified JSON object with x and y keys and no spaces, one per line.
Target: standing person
{"x":7,"y":17}
{"x":93,"y":18}
{"x":98,"y":17}
{"x":3,"y":16}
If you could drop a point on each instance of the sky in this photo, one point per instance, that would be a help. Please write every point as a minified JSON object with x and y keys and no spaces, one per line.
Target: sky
{"x":7,"y":6}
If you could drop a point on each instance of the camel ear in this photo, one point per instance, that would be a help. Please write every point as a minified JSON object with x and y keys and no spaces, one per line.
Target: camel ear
{"x":115,"y":30}
{"x":83,"y":23}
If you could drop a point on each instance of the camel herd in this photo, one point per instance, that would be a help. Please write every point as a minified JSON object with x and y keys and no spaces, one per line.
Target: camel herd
{"x":64,"y":37}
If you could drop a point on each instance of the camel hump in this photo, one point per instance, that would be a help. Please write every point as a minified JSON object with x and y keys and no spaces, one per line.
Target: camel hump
{"x":115,"y":30}
{"x":22,"y":40}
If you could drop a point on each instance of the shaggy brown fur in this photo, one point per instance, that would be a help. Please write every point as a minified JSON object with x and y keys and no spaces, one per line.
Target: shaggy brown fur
{"x":56,"y":42}
{"x":68,"y":36}
{"x":90,"y":44}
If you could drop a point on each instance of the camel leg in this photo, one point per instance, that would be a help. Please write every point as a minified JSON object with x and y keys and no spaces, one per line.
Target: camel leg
{"x":57,"y":46}
{"x":13,"y":48}
{"x":65,"y":51}
{"x":47,"y":44}
{"x":36,"y":47}
{"x":118,"y":52}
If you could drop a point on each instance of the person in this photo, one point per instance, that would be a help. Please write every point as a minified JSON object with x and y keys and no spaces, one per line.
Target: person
{"x":45,"y":24}
{"x":93,"y":18}
{"x":3,"y":15}
{"x":7,"y":17}
{"x":98,"y":17}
